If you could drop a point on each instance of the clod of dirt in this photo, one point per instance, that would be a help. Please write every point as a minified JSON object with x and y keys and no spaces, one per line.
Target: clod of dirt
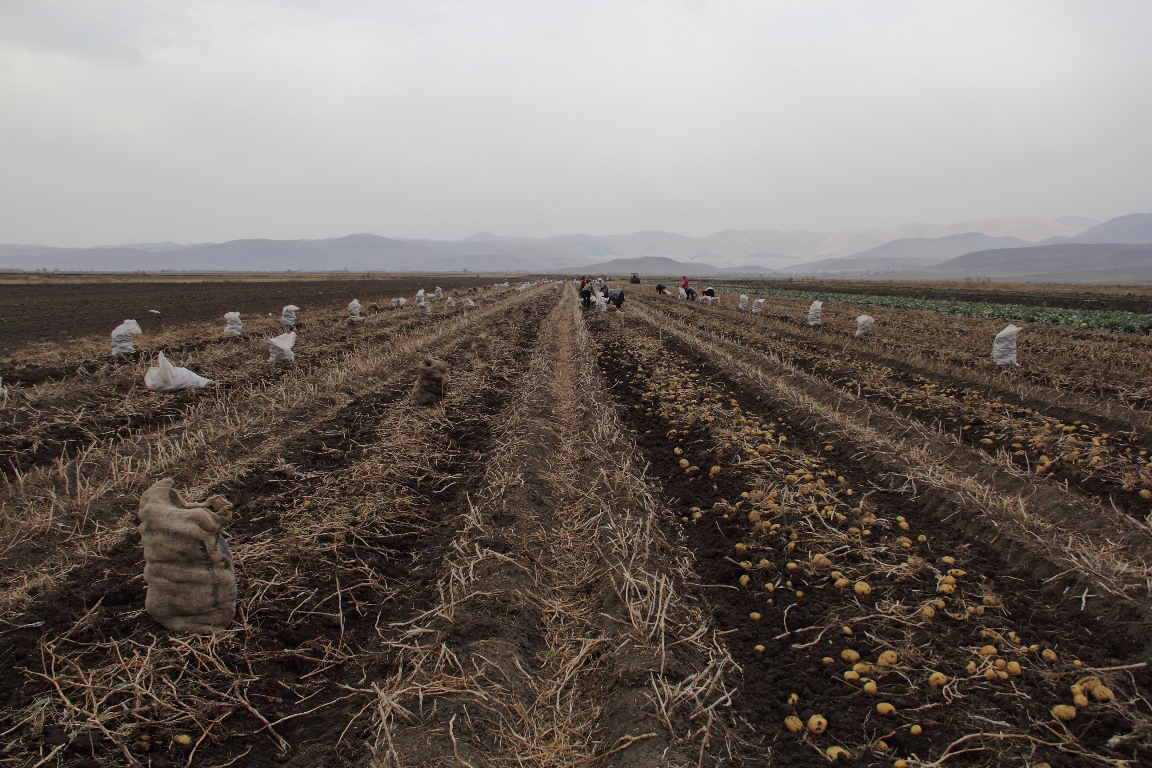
{"x":482,"y":345}
{"x":431,"y":382}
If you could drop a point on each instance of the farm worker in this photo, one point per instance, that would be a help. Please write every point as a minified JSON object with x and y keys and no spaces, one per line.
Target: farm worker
{"x":710,"y":292}
{"x":691,"y":293}
{"x":586,"y":296}
{"x":684,"y":283}
{"x":616,"y":296}
{"x":661,"y":289}
{"x":583,"y":282}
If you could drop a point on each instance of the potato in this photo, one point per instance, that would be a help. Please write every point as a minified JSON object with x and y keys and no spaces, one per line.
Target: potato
{"x":849,"y":655}
{"x":793,"y":724}
{"x":1102,"y":693}
{"x":887,"y":659}
{"x":862,"y":588}
{"x":988,"y":650}
{"x":817,"y":724}
{"x":884,"y":708}
{"x":837,"y":753}
{"x":1064,"y":712}
{"x":937,"y":679}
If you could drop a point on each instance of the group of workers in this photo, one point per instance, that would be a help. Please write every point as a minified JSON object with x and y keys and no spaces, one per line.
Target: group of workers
{"x":600,"y":290}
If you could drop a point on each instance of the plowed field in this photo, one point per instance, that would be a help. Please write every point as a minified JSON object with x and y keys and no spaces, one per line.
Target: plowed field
{"x":670,"y":535}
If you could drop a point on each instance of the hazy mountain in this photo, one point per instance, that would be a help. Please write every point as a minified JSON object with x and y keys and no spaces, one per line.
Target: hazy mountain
{"x":1134,"y":262}
{"x":1024,"y":227}
{"x":909,"y":252}
{"x":648,"y":266}
{"x":1134,"y":228}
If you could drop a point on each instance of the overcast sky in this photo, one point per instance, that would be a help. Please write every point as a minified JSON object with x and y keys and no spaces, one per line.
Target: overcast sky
{"x":209,"y":120}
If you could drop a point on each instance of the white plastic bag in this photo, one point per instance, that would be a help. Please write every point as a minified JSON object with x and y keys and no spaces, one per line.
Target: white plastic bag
{"x":402,"y":301}
{"x":165,"y":377}
{"x":864,"y":325}
{"x":280,"y":347}
{"x":394,"y":303}
{"x":288,"y":315}
{"x":234,"y":326}
{"x":420,"y":295}
{"x":424,"y":307}
{"x":814,"y":313}
{"x":354,"y":308}
{"x":757,"y":306}
{"x":1004,"y":346}
{"x":683,"y":294}
{"x":450,"y":304}
{"x":438,"y":293}
{"x":122,"y":337}
{"x":743,"y":302}
{"x":601,"y":302}
{"x":469,"y":303}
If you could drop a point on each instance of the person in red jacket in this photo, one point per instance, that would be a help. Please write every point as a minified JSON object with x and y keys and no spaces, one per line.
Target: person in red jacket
{"x":684,"y":284}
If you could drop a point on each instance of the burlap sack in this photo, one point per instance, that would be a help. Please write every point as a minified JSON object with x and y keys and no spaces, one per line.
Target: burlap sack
{"x":188,"y":567}
{"x":431,"y":381}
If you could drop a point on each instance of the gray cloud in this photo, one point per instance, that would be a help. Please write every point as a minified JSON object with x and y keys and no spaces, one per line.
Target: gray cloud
{"x":131,"y":121}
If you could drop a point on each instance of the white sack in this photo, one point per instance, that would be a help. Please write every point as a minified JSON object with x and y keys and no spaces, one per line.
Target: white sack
{"x":757,"y":306}
{"x":288,"y":315}
{"x":280,"y":347}
{"x":864,"y":325}
{"x":234,"y":326}
{"x":601,"y":303}
{"x":743,"y":302}
{"x":420,"y":295}
{"x":450,"y":304}
{"x":469,"y":303}
{"x":402,"y":301}
{"x":683,"y":294}
{"x":354,"y":308}
{"x":424,"y":307}
{"x":165,"y":377}
{"x":814,"y":313}
{"x":394,"y":303}
{"x":1004,"y":346}
{"x":122,"y":337}
{"x":438,"y":293}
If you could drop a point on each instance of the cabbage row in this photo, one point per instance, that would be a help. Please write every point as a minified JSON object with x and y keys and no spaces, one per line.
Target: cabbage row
{"x":1111,"y":320}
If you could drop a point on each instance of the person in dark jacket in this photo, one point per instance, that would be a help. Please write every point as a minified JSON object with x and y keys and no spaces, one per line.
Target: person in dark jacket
{"x":691,"y":293}
{"x":616,"y":296}
{"x":586,"y":296}
{"x":710,"y":291}
{"x":661,"y":289}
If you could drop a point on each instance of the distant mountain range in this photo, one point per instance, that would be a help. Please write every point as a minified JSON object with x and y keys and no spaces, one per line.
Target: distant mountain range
{"x":1012,"y":246}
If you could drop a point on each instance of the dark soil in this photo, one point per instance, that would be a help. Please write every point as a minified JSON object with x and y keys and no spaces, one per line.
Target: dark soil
{"x":31,"y":313}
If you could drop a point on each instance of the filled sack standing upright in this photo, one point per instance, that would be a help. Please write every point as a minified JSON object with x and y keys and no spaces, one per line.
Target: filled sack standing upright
{"x":1004,"y":346}
{"x":420,"y":295}
{"x":424,"y":307}
{"x":683,"y":294}
{"x":354,"y":308}
{"x":122,"y":337}
{"x":280,"y":347}
{"x":814,"y":313}
{"x":165,"y":377}
{"x":438,"y":293}
{"x":188,"y":566}
{"x":864,"y":325}
{"x":469,"y":303}
{"x":288,"y":315}
{"x":757,"y":306}
{"x":450,"y":304}
{"x":431,"y":381}
{"x":233,"y":326}
{"x":743,"y":302}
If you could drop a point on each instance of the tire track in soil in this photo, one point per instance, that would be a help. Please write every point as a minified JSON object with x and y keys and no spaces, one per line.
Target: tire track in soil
{"x":403,"y":553}
{"x":1102,"y":636}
